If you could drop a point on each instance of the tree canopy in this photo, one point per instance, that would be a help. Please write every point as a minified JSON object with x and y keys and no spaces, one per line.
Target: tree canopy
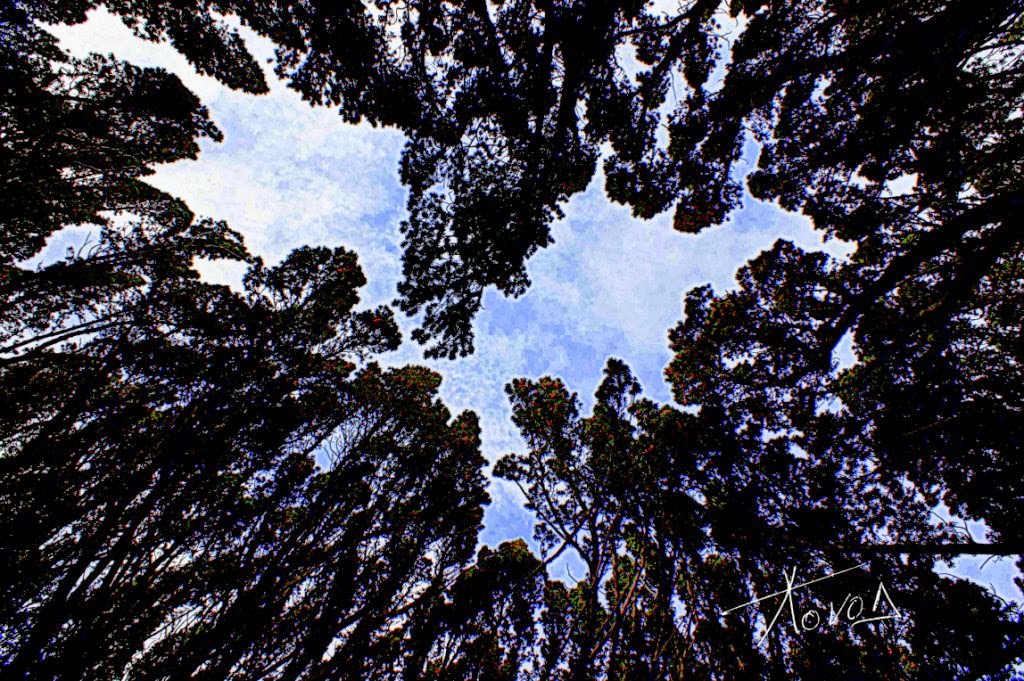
{"x":200,"y":482}
{"x":507,"y":106}
{"x":678,"y":517}
{"x":163,"y":511}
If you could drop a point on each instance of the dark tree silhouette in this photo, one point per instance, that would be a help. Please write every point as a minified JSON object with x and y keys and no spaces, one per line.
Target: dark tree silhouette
{"x":507,"y":106}
{"x":196,"y":29}
{"x":679,"y":517}
{"x":161,"y":505}
{"x":491,"y":98}
{"x":484,"y":626}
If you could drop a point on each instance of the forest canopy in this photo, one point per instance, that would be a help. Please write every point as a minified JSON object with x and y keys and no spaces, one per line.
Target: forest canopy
{"x":209,"y":483}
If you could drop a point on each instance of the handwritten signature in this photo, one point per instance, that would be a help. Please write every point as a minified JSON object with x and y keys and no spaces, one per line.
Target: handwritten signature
{"x":852,"y":608}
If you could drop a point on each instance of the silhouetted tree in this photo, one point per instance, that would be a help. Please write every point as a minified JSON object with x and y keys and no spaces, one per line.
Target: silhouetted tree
{"x":196,"y":29}
{"x":679,"y":517}
{"x":162,"y":508}
{"x":848,"y":99}
{"x":483,"y":627}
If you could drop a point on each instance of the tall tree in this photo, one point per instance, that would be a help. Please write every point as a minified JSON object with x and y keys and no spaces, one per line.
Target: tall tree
{"x":893,"y":126}
{"x":484,"y":626}
{"x":679,"y":518}
{"x":490,"y":96}
{"x":197,"y":29}
{"x":162,"y":507}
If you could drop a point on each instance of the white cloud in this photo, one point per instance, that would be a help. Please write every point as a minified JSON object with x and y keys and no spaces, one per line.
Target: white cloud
{"x":287,"y":174}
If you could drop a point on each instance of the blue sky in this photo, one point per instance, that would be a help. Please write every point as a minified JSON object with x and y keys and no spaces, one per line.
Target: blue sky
{"x":288,"y":174}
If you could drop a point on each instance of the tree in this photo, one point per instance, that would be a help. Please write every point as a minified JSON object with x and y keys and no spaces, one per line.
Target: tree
{"x":862,"y":97}
{"x":679,"y":518}
{"x":490,"y":97}
{"x":507,"y":105}
{"x":185,"y":527}
{"x":196,"y":29}
{"x":162,"y":508}
{"x":483,"y":627}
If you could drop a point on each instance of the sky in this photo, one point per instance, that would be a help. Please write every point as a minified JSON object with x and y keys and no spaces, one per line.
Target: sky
{"x":288,"y":174}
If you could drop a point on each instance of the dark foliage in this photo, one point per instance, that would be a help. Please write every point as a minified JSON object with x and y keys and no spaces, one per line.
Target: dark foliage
{"x":202,"y":483}
{"x":679,"y":517}
{"x":162,"y":509}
